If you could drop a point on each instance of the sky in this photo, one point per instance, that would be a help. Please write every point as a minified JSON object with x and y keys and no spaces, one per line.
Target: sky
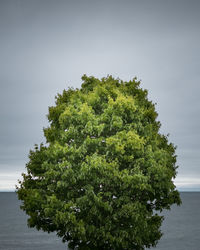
{"x":46,"y":46}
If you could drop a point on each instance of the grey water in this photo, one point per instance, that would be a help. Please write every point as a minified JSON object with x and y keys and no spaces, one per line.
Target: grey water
{"x":181,"y":227}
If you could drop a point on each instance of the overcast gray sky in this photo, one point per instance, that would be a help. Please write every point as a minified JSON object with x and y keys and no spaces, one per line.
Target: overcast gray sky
{"x":46,"y":46}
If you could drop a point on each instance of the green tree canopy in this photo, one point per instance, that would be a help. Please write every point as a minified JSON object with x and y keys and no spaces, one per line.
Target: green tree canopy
{"x":105,"y":171}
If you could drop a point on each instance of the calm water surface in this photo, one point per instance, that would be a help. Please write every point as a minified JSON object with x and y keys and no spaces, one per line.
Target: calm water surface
{"x":181,"y":227}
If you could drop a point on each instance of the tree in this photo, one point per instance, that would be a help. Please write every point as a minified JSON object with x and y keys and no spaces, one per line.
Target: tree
{"x":105,"y":170}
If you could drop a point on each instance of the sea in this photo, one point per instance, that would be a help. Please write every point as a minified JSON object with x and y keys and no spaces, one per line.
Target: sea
{"x":181,"y":227}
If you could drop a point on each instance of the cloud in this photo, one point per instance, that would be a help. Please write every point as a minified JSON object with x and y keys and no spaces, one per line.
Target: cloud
{"x":8,"y":181}
{"x":47,"y":47}
{"x":191,"y":183}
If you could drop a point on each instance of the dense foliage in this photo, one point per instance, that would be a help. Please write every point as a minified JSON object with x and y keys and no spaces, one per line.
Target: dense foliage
{"x":104,"y":170}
